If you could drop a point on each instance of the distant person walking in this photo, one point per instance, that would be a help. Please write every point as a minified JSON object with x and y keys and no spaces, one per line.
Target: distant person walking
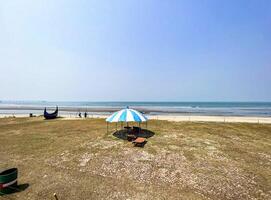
{"x":86,"y":115}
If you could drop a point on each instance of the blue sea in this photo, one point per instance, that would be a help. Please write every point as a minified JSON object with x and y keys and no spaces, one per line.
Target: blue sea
{"x":261,"y":109}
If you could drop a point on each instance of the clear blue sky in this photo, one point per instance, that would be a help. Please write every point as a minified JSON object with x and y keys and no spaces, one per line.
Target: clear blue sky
{"x":184,"y":50}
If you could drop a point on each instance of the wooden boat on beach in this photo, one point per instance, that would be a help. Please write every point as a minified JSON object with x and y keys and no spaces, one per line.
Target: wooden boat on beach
{"x":50,"y":115}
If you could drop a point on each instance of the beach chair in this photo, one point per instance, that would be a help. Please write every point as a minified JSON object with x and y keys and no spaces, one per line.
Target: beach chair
{"x":139,"y":142}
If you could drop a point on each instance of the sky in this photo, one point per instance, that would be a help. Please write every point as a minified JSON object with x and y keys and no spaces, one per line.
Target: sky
{"x":135,"y":50}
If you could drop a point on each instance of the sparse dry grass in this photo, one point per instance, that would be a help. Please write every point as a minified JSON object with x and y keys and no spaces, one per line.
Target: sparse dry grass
{"x":77,"y":159}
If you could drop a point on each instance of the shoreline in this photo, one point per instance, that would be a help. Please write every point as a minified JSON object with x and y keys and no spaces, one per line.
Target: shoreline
{"x":153,"y":113}
{"x":176,"y":118}
{"x":163,"y":111}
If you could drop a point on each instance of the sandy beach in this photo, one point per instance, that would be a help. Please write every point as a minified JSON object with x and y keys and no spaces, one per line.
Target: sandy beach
{"x":213,"y":119}
{"x":176,"y":118}
{"x":179,"y":118}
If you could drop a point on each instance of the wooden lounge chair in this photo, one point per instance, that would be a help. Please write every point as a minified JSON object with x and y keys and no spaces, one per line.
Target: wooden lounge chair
{"x":139,"y":142}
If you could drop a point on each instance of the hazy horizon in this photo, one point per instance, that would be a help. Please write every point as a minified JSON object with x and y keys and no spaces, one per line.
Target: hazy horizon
{"x":123,"y":101}
{"x":177,"y":51}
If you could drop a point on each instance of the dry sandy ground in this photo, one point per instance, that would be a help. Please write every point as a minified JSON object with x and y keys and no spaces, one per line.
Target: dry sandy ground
{"x":78,"y":159}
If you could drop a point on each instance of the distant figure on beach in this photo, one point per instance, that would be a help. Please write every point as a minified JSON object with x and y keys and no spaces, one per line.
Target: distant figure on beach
{"x":86,"y":114}
{"x":80,"y":114}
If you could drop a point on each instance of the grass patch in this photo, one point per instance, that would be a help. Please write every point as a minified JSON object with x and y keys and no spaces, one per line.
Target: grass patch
{"x":78,"y":159}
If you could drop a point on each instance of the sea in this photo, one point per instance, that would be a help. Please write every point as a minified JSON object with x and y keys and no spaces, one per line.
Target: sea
{"x":255,"y":109}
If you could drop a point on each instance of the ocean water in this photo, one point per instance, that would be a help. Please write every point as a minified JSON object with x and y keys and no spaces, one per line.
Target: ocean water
{"x":262,"y":109}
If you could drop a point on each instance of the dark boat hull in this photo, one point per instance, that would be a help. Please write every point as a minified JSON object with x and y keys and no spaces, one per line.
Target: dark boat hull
{"x":50,"y":115}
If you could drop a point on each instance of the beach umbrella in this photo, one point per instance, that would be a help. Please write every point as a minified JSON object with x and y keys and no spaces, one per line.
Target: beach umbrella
{"x":127,"y":115}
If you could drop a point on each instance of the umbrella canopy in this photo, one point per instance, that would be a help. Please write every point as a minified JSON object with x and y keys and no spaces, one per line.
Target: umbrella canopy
{"x":127,"y":115}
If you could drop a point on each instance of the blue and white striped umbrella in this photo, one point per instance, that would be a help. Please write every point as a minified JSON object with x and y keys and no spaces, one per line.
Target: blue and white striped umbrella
{"x":127,"y":115}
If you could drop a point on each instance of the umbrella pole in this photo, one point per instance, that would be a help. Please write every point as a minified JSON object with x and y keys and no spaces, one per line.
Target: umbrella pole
{"x":107,"y":127}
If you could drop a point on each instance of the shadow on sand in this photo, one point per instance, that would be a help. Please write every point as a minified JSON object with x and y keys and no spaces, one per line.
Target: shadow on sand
{"x":16,"y":189}
{"x":144,"y":133}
